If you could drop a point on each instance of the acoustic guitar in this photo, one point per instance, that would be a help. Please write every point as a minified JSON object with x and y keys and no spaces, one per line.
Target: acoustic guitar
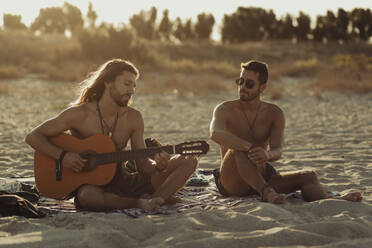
{"x":102,"y":159}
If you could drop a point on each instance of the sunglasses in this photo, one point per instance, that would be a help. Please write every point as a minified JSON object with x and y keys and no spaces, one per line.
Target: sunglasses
{"x":249,"y":83}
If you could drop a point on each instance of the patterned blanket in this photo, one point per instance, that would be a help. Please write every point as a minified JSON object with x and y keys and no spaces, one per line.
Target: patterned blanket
{"x":200,"y":192}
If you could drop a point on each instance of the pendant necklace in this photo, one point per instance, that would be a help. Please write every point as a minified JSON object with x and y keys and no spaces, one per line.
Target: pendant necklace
{"x":251,"y":126}
{"x":111,"y":129}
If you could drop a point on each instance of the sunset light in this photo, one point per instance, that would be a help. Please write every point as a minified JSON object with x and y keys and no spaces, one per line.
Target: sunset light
{"x":193,"y":123}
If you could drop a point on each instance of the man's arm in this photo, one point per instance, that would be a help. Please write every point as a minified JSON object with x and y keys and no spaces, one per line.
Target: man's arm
{"x":38,"y":138}
{"x":220,"y":134}
{"x":146,"y":166}
{"x":276,"y":138}
{"x":259,"y":155}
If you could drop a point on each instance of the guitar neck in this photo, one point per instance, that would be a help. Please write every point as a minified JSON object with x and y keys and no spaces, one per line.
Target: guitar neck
{"x":114,"y":157}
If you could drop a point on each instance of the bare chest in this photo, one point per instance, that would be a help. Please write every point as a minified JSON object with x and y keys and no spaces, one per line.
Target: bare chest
{"x":119,"y":133}
{"x":256,"y":130}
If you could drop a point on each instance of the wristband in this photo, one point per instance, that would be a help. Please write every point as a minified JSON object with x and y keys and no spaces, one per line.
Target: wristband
{"x":59,"y":165}
{"x":63,"y":153}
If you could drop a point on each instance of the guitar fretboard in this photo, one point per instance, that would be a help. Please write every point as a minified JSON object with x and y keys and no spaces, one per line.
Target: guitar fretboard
{"x":114,"y":157}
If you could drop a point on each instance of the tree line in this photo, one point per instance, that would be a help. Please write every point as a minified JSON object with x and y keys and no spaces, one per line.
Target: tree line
{"x":245,"y":24}
{"x":256,"y":24}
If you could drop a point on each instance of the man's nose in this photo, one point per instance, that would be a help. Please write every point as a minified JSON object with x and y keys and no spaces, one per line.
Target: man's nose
{"x":132,"y":90}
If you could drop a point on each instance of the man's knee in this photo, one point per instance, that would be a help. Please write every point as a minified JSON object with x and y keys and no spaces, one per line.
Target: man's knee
{"x":191,"y":162}
{"x":88,"y":196}
{"x":240,"y":158}
{"x":188,"y":163}
{"x":236,"y":152}
{"x":310,"y":176}
{"x":234,"y":155}
{"x":231,"y":159}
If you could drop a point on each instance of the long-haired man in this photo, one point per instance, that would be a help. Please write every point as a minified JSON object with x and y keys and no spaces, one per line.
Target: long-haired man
{"x":103,"y":108}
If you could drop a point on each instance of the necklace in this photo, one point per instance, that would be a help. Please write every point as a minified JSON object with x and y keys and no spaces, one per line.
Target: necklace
{"x":251,"y":126}
{"x":110,"y":129}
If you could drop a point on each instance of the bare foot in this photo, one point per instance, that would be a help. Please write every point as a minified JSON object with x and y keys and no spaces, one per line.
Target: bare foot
{"x":173,"y":200}
{"x":145,"y":196}
{"x":353,"y":196}
{"x":270,"y":195}
{"x":150,"y":204}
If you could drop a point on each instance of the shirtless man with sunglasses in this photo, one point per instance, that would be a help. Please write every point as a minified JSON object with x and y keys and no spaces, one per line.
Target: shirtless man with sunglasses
{"x":250,"y":133}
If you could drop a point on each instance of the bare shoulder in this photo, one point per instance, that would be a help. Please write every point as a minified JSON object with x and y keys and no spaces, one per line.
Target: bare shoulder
{"x":133,"y":115}
{"x":77,"y":114}
{"x":72,"y":110}
{"x":224,"y":107}
{"x":274,"y":110}
{"x":131,"y":112}
{"x":79,"y":111}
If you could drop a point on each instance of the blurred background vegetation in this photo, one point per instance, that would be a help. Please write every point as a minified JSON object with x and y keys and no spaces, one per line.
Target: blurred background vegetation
{"x":64,"y":44}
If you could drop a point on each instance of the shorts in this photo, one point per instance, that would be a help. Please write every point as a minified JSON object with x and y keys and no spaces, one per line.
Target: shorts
{"x":269,"y":172}
{"x":126,"y":183}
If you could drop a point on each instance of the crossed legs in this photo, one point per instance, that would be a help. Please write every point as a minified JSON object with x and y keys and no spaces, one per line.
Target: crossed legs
{"x":239,"y":175}
{"x":165,"y":183}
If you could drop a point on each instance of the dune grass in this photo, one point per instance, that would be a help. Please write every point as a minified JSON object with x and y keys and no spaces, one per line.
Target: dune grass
{"x":182,"y":84}
{"x":345,"y":73}
{"x":197,"y":68}
{"x":4,"y":89}
{"x":10,"y":72}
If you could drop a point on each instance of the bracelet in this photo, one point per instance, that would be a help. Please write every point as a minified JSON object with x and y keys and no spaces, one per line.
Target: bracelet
{"x":63,"y":153}
{"x":59,"y":165}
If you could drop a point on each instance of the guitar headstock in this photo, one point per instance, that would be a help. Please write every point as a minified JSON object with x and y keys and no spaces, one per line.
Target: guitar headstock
{"x":199,"y":147}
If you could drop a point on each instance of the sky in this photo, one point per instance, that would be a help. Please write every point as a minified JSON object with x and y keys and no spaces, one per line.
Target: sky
{"x":119,"y":11}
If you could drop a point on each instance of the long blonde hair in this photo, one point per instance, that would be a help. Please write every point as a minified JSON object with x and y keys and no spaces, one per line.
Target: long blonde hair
{"x":92,"y":88}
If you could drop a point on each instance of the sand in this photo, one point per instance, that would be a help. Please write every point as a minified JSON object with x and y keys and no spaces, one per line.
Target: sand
{"x":331,"y":133}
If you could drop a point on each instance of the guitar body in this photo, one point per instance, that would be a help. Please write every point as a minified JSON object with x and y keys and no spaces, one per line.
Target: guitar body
{"x":45,"y":166}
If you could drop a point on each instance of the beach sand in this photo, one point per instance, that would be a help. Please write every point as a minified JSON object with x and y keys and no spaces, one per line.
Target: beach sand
{"x":331,"y":133}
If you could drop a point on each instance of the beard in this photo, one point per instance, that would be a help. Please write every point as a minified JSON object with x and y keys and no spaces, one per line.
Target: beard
{"x":118,"y":99}
{"x":249,"y":97}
